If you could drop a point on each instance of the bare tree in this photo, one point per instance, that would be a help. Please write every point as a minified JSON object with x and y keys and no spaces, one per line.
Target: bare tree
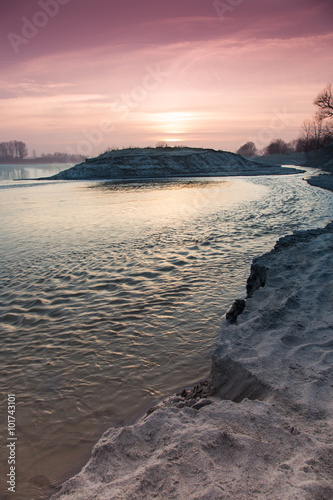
{"x":306,"y":140}
{"x":315,"y":134}
{"x":248,"y":149}
{"x":324,"y":101}
{"x":13,"y":149}
{"x":21,"y":149}
{"x":3,"y":151}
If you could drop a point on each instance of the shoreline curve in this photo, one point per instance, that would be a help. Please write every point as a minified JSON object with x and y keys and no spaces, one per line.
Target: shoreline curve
{"x":262,"y":425}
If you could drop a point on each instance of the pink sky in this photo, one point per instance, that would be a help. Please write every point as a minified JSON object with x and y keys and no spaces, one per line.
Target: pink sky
{"x":100,"y":73}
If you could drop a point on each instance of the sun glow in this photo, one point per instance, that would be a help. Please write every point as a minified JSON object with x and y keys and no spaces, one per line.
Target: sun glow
{"x":174,"y":116}
{"x":175,"y":122}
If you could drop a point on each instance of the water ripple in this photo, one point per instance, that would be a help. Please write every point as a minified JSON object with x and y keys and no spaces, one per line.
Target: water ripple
{"x":112,"y":297}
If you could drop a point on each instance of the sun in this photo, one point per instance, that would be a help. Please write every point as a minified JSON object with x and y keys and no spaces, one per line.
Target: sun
{"x":174,"y":126}
{"x":173,"y":122}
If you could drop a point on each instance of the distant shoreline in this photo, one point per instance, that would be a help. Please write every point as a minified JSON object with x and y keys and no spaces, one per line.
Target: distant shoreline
{"x":33,"y":161}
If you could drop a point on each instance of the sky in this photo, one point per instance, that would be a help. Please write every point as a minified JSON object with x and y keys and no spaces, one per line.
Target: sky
{"x":80,"y":76}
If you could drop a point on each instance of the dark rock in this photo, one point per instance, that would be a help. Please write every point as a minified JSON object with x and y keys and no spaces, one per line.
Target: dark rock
{"x":236,"y":309}
{"x":176,"y":400}
{"x":202,"y":403}
{"x":257,"y":278}
{"x":152,"y":409}
{"x":201,"y":390}
{"x":190,"y":402}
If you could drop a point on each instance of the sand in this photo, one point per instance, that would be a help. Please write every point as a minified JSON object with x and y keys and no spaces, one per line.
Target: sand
{"x":261,"y":426}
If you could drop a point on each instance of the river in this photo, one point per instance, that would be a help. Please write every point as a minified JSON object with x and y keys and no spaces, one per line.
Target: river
{"x":112,"y":296}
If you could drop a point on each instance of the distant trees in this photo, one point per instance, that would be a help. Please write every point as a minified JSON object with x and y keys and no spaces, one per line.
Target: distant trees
{"x":13,"y":150}
{"x":17,"y":150}
{"x":21,"y":149}
{"x":248,"y":149}
{"x":324,"y":101}
{"x":315,"y":133}
{"x":61,"y":158}
{"x":278,"y":147}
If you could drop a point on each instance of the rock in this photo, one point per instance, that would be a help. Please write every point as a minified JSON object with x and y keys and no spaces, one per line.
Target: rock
{"x":202,"y":403}
{"x":152,"y":409}
{"x":176,"y":400}
{"x":190,"y":402}
{"x":236,"y":309}
{"x":183,"y":393}
{"x":257,"y":278}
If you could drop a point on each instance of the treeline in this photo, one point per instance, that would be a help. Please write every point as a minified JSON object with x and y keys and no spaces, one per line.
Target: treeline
{"x":61,"y":158}
{"x":17,"y":150}
{"x":13,"y":150}
{"x":315,"y":133}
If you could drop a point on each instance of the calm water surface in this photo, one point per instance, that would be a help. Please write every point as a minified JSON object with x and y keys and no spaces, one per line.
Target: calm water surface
{"x":18,"y":171}
{"x":112,"y":295}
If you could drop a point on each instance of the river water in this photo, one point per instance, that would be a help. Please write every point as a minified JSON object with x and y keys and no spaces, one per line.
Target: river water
{"x":112,"y":296}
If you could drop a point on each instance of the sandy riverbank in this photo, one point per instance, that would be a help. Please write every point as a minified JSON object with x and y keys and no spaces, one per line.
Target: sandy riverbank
{"x":262,"y":427}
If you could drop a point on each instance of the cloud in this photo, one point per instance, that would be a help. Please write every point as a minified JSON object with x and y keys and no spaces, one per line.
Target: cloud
{"x":83,"y":25}
{"x":229,"y":75}
{"x":30,"y":87}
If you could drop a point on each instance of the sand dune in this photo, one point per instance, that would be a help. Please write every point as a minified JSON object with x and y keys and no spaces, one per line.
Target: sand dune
{"x":261,"y":426}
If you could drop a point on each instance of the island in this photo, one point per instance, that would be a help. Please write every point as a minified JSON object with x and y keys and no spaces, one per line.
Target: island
{"x":143,"y":163}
